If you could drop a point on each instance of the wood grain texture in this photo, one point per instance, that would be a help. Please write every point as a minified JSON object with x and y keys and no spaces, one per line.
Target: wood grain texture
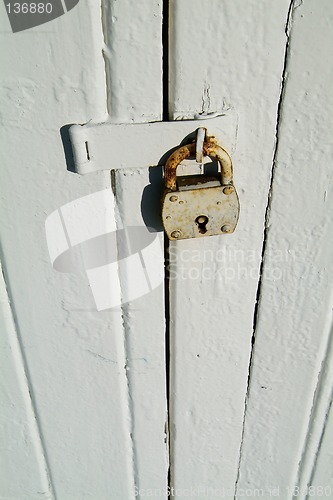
{"x":133,"y":34}
{"x":227,"y":55}
{"x":133,"y":59}
{"x":54,"y":75}
{"x":315,"y":450}
{"x":322,"y":474}
{"x":294,"y":315}
{"x":144,"y":338}
{"x":95,"y":422}
{"x":22,"y":448}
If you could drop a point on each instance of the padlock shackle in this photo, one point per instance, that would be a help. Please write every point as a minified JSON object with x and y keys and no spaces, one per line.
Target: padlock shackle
{"x":211,"y":149}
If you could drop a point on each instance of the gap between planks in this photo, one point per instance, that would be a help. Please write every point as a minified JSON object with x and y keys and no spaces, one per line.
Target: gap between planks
{"x":166,"y":117}
{"x":287,"y":31}
{"x":20,"y":359}
{"x":318,"y":418}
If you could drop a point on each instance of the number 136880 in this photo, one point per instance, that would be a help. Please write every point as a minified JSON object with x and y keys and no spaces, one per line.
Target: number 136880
{"x":32,"y":8}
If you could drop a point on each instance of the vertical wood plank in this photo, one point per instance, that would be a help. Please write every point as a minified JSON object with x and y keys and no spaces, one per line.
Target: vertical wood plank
{"x":22,"y":448}
{"x":319,"y":426}
{"x":144,"y":335}
{"x":294,"y":314}
{"x":322,"y":480}
{"x":54,"y":75}
{"x":133,"y":35}
{"x":133,"y":59}
{"x":225,"y":56}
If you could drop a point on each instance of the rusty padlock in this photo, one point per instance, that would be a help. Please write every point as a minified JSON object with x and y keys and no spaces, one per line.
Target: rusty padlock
{"x":199,"y":205}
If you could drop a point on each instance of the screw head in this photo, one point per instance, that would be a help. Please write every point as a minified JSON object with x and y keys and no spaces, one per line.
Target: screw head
{"x":181,"y":202}
{"x":173,"y":198}
{"x":218,"y":203}
{"x":228,"y":190}
{"x":176,"y":234}
{"x":226,"y":228}
{"x":201,"y":219}
{"x":168,"y":217}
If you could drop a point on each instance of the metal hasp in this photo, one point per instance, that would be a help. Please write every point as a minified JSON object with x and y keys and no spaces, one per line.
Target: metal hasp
{"x":199,"y":205}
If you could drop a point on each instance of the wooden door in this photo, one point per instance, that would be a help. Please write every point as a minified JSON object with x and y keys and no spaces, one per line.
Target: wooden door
{"x":216,"y":383}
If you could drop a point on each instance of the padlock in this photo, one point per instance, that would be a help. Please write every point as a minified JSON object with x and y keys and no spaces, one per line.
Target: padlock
{"x":199,"y":205}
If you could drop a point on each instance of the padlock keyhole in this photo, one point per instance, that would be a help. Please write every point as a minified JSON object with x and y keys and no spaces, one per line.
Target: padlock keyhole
{"x":202,"y":221}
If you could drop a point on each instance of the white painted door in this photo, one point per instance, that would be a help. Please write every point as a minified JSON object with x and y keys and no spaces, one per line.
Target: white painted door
{"x":215,"y":381}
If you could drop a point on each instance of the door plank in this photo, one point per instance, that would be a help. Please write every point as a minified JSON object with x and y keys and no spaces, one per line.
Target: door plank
{"x":133,"y":58}
{"x":144,"y":336}
{"x":73,"y":352}
{"x":229,"y":55}
{"x":294,"y":313}
{"x":315,"y":454}
{"x":133,"y":34}
{"x":322,"y":479}
{"x":18,"y":418}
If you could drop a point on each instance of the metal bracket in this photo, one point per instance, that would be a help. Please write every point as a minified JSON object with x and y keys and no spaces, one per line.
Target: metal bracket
{"x":108,"y":145}
{"x":201,"y":134}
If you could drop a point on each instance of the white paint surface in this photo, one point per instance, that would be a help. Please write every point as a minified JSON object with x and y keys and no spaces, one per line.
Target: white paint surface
{"x":96,"y":424}
{"x":294,"y":315}
{"x":54,"y":75}
{"x":322,"y":477}
{"x":23,"y":455}
{"x":238,"y":63}
{"x":133,"y":31}
{"x":133,"y":59}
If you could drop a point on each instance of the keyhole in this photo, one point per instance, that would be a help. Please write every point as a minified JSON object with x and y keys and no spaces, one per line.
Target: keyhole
{"x":202,"y":221}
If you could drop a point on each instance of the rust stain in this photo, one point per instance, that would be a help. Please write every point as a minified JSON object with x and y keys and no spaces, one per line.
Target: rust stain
{"x":172,"y":163}
{"x":210,"y":148}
